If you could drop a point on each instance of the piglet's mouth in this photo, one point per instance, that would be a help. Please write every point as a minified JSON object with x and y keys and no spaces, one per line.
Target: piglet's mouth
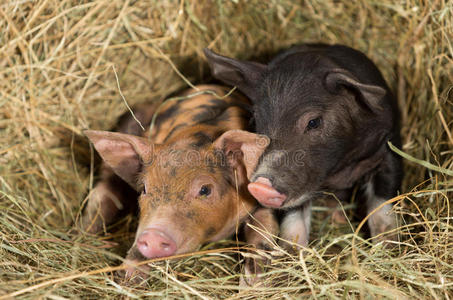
{"x":263,"y":191}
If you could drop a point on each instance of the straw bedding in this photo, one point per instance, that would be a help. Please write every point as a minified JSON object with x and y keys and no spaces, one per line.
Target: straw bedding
{"x":70,"y":65}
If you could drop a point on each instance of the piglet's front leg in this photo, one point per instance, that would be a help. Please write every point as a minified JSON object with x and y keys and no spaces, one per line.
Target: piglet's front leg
{"x":295,"y":227}
{"x":135,"y":271}
{"x":382,"y":186}
{"x":382,"y":221}
{"x":259,"y":233}
{"x":109,"y":196}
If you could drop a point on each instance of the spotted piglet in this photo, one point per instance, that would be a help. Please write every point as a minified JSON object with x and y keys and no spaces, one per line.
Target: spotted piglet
{"x":190,"y":175}
{"x":329,"y":115}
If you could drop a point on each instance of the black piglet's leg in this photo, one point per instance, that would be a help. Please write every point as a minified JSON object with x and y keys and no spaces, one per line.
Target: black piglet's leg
{"x":383,"y":186}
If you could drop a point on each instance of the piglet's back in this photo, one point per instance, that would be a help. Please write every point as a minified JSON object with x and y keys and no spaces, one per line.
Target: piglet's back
{"x":206,"y":106}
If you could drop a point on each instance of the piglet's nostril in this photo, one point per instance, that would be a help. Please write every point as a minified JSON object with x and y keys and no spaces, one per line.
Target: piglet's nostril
{"x":142,"y":244}
{"x":165,"y":246}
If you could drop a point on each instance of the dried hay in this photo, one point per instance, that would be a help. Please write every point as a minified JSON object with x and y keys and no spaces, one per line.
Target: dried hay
{"x":58,"y":61}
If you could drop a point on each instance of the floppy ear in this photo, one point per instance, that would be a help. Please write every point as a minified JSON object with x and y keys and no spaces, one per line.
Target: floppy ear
{"x":243,"y":74}
{"x":370,"y":94}
{"x":242,"y":150}
{"x":124,"y":153}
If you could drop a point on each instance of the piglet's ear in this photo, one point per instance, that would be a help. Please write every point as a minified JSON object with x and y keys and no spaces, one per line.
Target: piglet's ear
{"x":243,"y":74}
{"x":242,"y":149}
{"x":370,"y":94}
{"x":124,"y":153}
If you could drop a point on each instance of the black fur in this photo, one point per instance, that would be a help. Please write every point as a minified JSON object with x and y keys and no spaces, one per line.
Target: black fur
{"x":358,"y":114}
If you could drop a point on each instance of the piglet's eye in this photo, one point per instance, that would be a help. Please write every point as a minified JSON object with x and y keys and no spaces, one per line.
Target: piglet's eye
{"x":314,"y":123}
{"x":205,"y":190}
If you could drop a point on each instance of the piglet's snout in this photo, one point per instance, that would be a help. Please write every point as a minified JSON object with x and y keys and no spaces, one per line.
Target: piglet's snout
{"x":154,"y":243}
{"x":263,"y":191}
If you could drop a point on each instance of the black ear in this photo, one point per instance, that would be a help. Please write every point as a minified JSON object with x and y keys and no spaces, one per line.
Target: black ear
{"x":243,"y":74}
{"x":370,"y":94}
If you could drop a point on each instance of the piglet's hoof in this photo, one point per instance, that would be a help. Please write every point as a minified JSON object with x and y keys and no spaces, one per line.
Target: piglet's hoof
{"x":91,"y":226}
{"x":254,"y":269}
{"x":132,"y":274}
{"x":79,"y":228}
{"x":382,"y":227}
{"x":339,"y":218}
{"x":388,"y":240}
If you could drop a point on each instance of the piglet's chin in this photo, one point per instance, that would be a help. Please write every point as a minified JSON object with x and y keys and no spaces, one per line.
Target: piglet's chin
{"x":263,"y":191}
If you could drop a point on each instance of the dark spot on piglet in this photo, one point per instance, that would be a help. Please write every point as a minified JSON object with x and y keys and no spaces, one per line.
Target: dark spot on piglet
{"x":208,"y":113}
{"x":203,"y":116}
{"x":174,"y":129}
{"x":190,"y":214}
{"x":201,"y":139}
{"x":170,"y":112}
{"x":209,"y":232}
{"x":180,"y":196}
{"x":164,"y":115}
{"x":225,"y":116}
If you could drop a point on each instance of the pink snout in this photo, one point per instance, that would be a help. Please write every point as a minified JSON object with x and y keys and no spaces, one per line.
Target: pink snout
{"x":153,"y":243}
{"x":263,"y":191}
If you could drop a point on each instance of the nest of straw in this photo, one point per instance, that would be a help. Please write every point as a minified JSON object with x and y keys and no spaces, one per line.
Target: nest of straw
{"x":70,"y":65}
